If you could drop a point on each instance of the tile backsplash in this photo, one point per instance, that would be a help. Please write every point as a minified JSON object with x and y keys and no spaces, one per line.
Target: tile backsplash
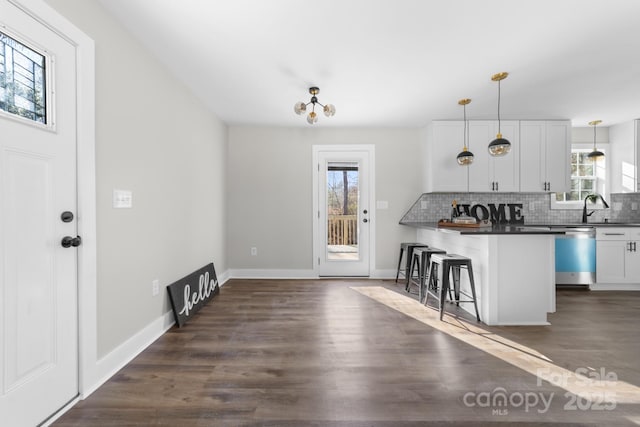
{"x":536,"y":207}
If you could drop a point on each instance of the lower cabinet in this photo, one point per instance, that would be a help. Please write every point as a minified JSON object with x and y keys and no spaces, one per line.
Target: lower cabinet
{"x":617,"y":255}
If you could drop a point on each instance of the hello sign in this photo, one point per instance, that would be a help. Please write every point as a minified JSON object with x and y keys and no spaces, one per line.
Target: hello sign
{"x":191,"y":293}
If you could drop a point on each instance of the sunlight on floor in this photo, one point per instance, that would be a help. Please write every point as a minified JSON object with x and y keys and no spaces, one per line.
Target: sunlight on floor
{"x":587,"y":383}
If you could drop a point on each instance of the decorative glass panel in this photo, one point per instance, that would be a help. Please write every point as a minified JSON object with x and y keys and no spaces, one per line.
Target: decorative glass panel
{"x":22,"y":80}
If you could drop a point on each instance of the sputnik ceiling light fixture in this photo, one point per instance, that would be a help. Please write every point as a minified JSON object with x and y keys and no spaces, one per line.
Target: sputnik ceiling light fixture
{"x":312,"y":117}
{"x":595,"y":154}
{"x":465,"y":157}
{"x":499,"y":146}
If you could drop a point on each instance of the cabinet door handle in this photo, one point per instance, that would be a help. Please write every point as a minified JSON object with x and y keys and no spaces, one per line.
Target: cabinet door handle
{"x":493,"y":186}
{"x":496,"y":185}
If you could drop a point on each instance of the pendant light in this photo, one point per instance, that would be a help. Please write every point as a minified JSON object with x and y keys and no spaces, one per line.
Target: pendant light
{"x":499,"y":146}
{"x":595,"y":154}
{"x":465,"y":157}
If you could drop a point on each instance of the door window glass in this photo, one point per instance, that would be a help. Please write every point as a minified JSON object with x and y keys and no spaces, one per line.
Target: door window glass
{"x":22,"y":80}
{"x":342,"y":211}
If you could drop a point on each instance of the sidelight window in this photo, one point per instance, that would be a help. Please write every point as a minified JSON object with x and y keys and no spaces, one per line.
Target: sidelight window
{"x":22,"y":80}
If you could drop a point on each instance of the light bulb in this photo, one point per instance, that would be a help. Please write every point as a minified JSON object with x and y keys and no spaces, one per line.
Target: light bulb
{"x":300,"y":108}
{"x":312,"y":118}
{"x":329,"y":110}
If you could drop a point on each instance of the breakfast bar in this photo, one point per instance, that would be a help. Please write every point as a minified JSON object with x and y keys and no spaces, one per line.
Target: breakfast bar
{"x":514,"y":268}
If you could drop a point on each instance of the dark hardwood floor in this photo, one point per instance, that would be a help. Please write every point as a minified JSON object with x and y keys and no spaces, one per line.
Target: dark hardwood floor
{"x":324,"y":353}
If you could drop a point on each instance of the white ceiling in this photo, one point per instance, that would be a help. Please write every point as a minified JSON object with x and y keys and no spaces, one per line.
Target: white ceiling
{"x":398,"y":63}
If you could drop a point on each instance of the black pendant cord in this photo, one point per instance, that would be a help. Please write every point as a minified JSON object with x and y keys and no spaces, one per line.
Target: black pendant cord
{"x":466,"y":127}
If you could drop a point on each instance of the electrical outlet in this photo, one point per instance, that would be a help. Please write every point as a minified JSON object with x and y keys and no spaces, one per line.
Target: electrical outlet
{"x":254,"y":251}
{"x":155,"y":287}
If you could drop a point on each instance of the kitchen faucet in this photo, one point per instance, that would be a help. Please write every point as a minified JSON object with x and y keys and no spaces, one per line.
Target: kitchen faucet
{"x":592,"y":198}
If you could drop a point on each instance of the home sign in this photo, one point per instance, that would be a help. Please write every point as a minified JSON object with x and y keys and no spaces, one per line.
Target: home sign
{"x":191,"y":293}
{"x":509,"y":213}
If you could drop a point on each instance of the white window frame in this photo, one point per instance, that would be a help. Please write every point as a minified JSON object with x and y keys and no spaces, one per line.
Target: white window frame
{"x":602,"y":179}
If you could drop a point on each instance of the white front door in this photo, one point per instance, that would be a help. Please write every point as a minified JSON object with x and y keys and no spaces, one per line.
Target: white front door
{"x":38,"y":276}
{"x":342,"y":238}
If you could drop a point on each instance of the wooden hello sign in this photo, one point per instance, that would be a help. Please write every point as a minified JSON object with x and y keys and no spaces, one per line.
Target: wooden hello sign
{"x":191,"y":293}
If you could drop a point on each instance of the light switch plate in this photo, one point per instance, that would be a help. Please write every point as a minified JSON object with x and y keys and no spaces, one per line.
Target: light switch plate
{"x":122,"y":199}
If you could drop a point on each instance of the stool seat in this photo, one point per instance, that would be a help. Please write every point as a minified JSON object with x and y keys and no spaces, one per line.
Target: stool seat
{"x":420,"y":262}
{"x":407,"y":247}
{"x":443,"y":265}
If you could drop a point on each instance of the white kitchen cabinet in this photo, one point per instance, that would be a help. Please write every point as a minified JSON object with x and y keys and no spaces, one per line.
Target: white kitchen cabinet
{"x":445,"y":141}
{"x":617,"y":255}
{"x":624,"y":156}
{"x":545,"y":147}
{"x":488,"y":173}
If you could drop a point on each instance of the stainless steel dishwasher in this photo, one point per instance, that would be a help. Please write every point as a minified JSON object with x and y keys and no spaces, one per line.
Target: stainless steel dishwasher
{"x":576,"y":256}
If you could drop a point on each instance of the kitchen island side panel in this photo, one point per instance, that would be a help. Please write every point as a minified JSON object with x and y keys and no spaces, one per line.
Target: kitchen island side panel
{"x":514,"y":274}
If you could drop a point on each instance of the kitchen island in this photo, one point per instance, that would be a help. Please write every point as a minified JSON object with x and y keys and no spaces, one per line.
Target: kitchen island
{"x":514,"y":268}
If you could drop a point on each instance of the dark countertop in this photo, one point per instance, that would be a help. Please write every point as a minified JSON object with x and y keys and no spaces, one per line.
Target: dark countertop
{"x":496,"y":229}
{"x":517,"y":228}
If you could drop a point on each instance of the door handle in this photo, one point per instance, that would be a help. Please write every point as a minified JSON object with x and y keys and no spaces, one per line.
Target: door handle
{"x":365,"y":220}
{"x":68,"y":241}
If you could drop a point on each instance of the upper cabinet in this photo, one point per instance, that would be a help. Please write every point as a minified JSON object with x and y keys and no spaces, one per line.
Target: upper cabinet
{"x":623,"y":161}
{"x":488,"y":173}
{"x":545,"y":147}
{"x":538,"y":160}
{"x":445,"y":141}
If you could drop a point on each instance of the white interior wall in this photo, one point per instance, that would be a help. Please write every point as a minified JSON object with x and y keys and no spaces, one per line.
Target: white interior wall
{"x":155,"y":138}
{"x":270,"y":193}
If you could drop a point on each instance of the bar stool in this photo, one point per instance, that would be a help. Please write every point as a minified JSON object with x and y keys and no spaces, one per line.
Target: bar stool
{"x":444,"y":264}
{"x":408,"y":248}
{"x":421,"y":260}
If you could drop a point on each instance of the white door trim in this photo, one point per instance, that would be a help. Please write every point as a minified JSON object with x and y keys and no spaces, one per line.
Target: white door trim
{"x":369,"y":148}
{"x":86,"y":173}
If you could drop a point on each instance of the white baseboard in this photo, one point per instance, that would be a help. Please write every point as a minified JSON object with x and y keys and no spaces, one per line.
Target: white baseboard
{"x":272,"y":274}
{"x":383,"y":274}
{"x":615,"y":287}
{"x":223,"y":278}
{"x":296,"y":274}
